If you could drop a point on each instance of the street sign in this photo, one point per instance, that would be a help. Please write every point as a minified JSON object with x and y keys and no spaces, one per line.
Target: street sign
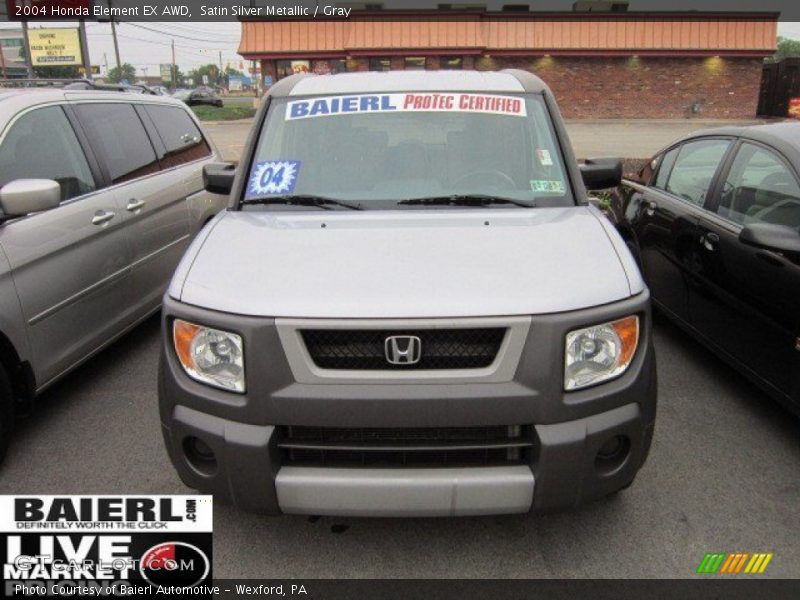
{"x":205,"y":79}
{"x":55,"y":47}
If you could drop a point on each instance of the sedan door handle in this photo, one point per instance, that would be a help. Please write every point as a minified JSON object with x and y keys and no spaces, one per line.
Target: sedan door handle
{"x":102,"y":216}
{"x":134,"y":204}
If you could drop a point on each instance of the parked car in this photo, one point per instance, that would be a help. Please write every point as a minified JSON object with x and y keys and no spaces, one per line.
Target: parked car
{"x":205,"y":96}
{"x":100,"y":194}
{"x":714,"y":221}
{"x":409,"y":309}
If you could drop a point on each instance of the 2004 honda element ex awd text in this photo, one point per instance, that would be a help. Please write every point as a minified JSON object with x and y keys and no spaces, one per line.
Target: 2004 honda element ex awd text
{"x":408,"y":309}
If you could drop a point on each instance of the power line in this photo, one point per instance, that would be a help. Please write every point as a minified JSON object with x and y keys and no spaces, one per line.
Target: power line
{"x":172,"y":34}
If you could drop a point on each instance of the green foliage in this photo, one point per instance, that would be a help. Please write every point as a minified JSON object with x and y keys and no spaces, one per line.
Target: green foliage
{"x":211,"y":70}
{"x":787,"y":47}
{"x":125,"y":72}
{"x":226,"y":113}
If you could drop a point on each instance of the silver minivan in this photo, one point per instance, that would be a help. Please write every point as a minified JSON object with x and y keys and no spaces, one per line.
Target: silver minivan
{"x":409,"y":309}
{"x":100,"y":195}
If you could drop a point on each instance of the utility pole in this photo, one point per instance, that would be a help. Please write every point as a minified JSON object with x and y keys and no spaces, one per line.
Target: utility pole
{"x":221,"y":72}
{"x":174,"y":70}
{"x":3,"y":62}
{"x":114,"y":37}
{"x":28,"y":58}
{"x":105,"y":60}
{"x":87,"y":63}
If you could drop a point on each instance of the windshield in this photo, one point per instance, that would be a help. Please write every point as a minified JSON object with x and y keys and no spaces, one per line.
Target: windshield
{"x":382,"y":150}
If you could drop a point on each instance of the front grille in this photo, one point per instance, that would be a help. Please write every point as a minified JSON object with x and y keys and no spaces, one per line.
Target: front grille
{"x":365,"y":349}
{"x":419,"y":447}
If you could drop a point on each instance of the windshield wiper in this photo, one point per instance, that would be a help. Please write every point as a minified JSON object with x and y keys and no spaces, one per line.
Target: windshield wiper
{"x":466,"y":200}
{"x":303,"y":200}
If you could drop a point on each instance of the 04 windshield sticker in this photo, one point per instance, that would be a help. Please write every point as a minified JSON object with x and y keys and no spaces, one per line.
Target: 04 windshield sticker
{"x":272,"y":177}
{"x":409,"y":102}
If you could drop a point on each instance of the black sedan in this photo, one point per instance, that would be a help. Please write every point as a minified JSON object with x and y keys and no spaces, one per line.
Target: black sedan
{"x":714,"y":221}
{"x":198,"y":96}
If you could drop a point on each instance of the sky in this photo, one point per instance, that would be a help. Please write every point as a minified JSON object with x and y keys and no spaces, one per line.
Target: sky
{"x":147,"y":45}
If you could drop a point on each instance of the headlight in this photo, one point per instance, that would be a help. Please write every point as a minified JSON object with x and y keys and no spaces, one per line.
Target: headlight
{"x":209,"y":355}
{"x":599,"y":353}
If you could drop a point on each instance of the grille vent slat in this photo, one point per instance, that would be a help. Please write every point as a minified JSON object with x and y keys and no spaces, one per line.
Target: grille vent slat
{"x":430,"y":446}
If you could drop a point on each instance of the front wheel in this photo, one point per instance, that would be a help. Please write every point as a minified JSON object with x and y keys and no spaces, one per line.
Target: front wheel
{"x":6,"y":412}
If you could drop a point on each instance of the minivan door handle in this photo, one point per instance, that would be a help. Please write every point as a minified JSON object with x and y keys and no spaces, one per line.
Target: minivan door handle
{"x":709,"y":240}
{"x":134,"y":204}
{"x":102,"y":216}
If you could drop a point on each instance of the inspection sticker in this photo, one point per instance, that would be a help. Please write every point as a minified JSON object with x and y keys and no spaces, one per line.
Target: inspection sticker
{"x":544,"y":157}
{"x":272,"y":177}
{"x":548,"y":186}
{"x":411,"y":102}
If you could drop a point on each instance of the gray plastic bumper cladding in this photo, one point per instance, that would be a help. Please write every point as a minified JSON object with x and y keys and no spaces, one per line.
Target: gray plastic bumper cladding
{"x":570,"y":427}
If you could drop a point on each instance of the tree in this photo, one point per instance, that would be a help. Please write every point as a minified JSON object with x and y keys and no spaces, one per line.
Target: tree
{"x":211,"y":70}
{"x":787,"y":47}
{"x":125,"y":72}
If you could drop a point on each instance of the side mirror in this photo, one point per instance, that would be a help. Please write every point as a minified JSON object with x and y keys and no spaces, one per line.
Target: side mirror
{"x":601,"y":173}
{"x":778,"y":238}
{"x":218,"y":178}
{"x":24,"y":196}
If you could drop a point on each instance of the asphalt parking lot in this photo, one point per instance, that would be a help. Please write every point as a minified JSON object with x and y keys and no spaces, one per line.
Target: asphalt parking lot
{"x":722,"y":476}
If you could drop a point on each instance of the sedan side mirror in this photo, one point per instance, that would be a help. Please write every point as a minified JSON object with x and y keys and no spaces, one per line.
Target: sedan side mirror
{"x":24,"y":196}
{"x":218,"y":178}
{"x":778,"y":238}
{"x":601,"y":173}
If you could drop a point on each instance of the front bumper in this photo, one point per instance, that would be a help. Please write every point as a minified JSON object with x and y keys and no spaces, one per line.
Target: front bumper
{"x":564,"y":470}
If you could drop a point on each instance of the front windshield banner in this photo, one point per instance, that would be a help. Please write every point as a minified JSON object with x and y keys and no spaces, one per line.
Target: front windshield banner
{"x":407,"y":102}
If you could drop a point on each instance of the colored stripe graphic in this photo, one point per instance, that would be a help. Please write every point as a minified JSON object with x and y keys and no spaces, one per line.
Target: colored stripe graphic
{"x":733,"y":563}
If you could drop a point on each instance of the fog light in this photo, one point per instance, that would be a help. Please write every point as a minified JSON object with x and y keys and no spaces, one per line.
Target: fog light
{"x":200,"y":455}
{"x":612,"y":454}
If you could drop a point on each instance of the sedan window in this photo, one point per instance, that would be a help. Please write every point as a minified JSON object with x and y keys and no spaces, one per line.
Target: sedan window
{"x":694,"y":169}
{"x":760,"y":188}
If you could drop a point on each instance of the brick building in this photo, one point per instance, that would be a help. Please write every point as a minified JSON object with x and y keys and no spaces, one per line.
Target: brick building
{"x":599,"y":65}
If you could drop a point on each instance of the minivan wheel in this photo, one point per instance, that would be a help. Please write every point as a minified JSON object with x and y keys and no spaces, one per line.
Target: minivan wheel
{"x":6,"y":412}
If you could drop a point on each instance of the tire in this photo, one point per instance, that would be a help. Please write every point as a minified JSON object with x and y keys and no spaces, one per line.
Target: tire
{"x":6,"y":412}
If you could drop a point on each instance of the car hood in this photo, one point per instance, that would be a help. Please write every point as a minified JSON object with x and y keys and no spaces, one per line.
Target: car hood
{"x":406,"y":264}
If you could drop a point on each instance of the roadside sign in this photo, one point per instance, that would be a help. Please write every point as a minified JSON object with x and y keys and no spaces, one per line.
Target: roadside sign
{"x":95,"y":70}
{"x":166,"y":72}
{"x":55,"y":47}
{"x":205,"y":79}
{"x":235,"y":83}
{"x":268,"y":81}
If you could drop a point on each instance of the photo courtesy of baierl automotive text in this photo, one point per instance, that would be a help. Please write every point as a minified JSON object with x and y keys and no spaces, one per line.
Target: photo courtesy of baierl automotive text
{"x":471,"y":290}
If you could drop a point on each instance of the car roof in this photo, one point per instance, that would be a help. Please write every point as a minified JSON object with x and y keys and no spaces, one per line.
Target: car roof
{"x":509,"y":81}
{"x":15,"y":100}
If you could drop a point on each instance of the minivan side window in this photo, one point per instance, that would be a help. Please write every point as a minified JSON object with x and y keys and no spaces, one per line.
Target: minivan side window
{"x":760,"y":188}
{"x":694,"y":169}
{"x":665,"y":168}
{"x":118,"y":136}
{"x":182,"y":138}
{"x":43,"y":145}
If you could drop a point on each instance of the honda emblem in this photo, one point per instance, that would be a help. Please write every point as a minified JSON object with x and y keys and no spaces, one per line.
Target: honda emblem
{"x":403,"y":349}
